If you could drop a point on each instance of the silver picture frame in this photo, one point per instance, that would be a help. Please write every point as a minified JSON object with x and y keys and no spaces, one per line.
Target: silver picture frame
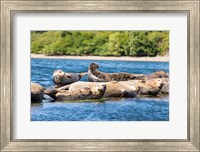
{"x":10,"y":7}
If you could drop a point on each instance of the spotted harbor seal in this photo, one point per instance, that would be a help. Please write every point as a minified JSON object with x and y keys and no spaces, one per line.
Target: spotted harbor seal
{"x":37,"y":93}
{"x":94,"y":75}
{"x":61,"y":78}
{"x":148,"y":87}
{"x":157,"y":74}
{"x":113,"y":88}
{"x":95,"y":92}
{"x":165,"y":89}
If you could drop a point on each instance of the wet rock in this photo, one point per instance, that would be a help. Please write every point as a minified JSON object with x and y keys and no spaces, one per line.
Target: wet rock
{"x":37,"y":93}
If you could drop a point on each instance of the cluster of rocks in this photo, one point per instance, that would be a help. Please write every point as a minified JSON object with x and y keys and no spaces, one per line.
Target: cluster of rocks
{"x":102,"y":85}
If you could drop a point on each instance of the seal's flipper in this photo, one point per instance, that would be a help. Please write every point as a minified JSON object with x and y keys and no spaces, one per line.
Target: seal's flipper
{"x":51,"y":93}
{"x":114,"y":81}
{"x":69,"y":76}
{"x":82,"y":74}
{"x":66,"y":87}
{"x":124,"y":93}
{"x":93,"y":78}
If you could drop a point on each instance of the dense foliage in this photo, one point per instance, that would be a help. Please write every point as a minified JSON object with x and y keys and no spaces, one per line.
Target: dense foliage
{"x":100,"y":43}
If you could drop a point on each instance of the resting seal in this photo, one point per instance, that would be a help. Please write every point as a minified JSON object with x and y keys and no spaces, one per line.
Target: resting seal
{"x":119,"y":89}
{"x":157,"y":74}
{"x":148,"y":87}
{"x":165,"y":89}
{"x":37,"y":93}
{"x":61,"y":78}
{"x":95,"y":92}
{"x":96,"y":76}
{"x":113,"y":88}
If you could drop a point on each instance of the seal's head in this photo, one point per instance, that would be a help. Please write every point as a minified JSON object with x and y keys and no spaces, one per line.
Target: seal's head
{"x":93,"y":66}
{"x":156,"y":83}
{"x":100,"y":89}
{"x":162,"y":74}
{"x":57,"y":76}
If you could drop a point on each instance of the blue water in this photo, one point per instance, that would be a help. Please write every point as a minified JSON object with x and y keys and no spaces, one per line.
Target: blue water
{"x":118,"y":109}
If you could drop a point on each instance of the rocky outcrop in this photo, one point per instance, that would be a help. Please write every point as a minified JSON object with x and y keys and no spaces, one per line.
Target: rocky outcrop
{"x":37,"y":93}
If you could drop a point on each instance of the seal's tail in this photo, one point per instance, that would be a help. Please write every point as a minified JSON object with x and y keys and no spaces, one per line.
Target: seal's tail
{"x":82,"y":74}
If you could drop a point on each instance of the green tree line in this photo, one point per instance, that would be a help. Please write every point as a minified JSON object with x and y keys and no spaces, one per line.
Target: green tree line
{"x":100,"y":43}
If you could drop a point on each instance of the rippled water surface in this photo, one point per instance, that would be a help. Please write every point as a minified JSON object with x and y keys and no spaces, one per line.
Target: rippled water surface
{"x":117,"y":109}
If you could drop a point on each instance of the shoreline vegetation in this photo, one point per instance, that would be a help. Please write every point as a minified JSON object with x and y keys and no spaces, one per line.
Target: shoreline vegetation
{"x":101,"y":43}
{"x":121,"y":58}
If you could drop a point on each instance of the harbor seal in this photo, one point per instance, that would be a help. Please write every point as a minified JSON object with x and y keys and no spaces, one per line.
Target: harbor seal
{"x":119,"y":89}
{"x":96,"y":92}
{"x":157,"y":74}
{"x":94,"y":75}
{"x":148,"y":87}
{"x":61,"y":78}
{"x":113,"y":88}
{"x":37,"y":93}
{"x":165,"y":89}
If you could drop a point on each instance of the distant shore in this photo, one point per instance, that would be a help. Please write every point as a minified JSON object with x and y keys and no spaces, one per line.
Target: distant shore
{"x":123,"y":58}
